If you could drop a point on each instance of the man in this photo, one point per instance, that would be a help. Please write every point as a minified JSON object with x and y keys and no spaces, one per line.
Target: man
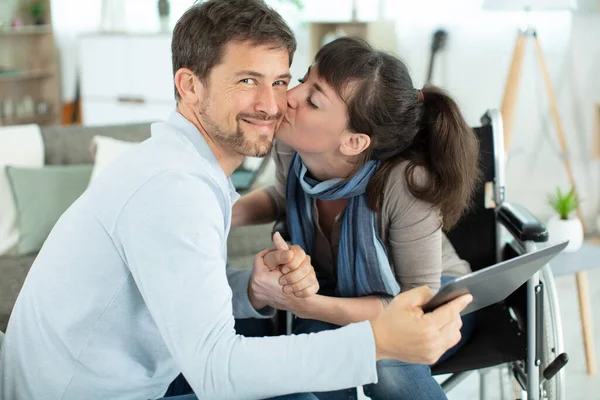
{"x":131,"y":289}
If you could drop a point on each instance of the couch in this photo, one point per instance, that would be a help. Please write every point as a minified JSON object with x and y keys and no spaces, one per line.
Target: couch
{"x":69,"y":145}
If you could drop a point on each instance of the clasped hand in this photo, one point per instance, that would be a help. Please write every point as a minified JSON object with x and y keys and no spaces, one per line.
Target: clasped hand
{"x":282,"y":277}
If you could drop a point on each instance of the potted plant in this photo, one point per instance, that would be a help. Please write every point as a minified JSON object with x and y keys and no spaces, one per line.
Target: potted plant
{"x":37,"y":9}
{"x":563,"y":226}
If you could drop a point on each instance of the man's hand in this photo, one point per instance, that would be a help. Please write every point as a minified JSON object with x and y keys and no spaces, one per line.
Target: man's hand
{"x":404,"y":332}
{"x":265,"y":280}
{"x":298,"y":275}
{"x":269,"y":286}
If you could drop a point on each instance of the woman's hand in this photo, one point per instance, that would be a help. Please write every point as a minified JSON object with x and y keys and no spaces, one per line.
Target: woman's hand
{"x":270,"y":286}
{"x":298,"y":276}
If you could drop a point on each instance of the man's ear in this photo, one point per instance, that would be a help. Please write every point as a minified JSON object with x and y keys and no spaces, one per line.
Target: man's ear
{"x":189,"y":87}
{"x":354,"y":143}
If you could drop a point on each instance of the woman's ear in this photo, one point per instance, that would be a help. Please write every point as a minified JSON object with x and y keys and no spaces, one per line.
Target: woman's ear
{"x":354,"y":143}
{"x":188,"y":86}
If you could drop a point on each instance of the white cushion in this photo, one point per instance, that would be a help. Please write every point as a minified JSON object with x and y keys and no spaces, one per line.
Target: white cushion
{"x":20,"y":146}
{"x":106,"y":150}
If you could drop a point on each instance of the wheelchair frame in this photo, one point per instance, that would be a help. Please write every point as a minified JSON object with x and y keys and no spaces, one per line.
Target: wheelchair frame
{"x":527,"y":375}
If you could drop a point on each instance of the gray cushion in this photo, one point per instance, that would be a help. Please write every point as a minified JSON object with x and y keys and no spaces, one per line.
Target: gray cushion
{"x":13,"y":271}
{"x":71,"y":144}
{"x":41,"y":196}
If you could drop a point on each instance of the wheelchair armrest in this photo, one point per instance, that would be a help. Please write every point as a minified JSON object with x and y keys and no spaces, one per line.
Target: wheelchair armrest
{"x":522,"y":224}
{"x":280,"y":226}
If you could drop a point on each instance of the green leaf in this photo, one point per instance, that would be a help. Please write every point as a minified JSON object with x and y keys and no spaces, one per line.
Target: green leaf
{"x":564,"y":203}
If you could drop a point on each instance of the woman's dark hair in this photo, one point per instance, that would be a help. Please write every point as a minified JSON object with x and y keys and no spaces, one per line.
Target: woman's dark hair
{"x":426,"y":129}
{"x":200,"y":35}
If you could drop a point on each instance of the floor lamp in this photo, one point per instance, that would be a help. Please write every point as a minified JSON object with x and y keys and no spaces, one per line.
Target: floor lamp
{"x":508,"y":107}
{"x":509,"y":101}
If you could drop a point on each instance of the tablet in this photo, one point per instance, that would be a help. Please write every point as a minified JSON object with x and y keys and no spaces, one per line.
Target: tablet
{"x":495,"y":283}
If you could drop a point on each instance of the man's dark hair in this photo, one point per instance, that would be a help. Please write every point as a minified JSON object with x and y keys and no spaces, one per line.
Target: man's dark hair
{"x":200,"y":36}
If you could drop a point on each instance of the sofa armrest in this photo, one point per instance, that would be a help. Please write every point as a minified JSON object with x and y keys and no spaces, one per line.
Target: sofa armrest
{"x":521,"y":223}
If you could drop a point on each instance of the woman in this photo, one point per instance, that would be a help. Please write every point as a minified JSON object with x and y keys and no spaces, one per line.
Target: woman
{"x":370,"y":171}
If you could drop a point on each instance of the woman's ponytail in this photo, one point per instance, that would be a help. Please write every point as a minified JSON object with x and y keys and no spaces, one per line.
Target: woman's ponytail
{"x":449,"y":150}
{"x":423,"y":128}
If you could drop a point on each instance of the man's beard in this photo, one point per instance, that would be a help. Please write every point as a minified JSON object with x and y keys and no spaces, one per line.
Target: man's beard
{"x":237,"y":141}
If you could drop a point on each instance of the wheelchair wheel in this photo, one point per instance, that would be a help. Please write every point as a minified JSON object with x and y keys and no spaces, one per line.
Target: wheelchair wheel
{"x":554,"y":389}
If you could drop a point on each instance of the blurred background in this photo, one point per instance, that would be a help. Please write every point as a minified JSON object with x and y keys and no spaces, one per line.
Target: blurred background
{"x":99,"y":63}
{"x":113,"y":61}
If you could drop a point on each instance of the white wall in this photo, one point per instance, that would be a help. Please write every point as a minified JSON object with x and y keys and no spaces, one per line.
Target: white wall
{"x":71,"y":18}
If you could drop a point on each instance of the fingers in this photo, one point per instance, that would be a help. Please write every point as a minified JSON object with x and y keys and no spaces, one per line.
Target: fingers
{"x":262,"y":253}
{"x":276,"y":258}
{"x":289,"y":260}
{"x":296,"y":275}
{"x":450,"y":334}
{"x":306,"y":282}
{"x":296,"y":261}
{"x":259,"y":261}
{"x":445,"y":314}
{"x":309,"y":291}
{"x":462,"y":302}
{"x":416,"y":297}
{"x":279,"y":243}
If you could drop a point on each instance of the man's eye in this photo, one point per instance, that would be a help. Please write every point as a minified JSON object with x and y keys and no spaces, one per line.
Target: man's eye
{"x":248,"y":81}
{"x":281,"y":83}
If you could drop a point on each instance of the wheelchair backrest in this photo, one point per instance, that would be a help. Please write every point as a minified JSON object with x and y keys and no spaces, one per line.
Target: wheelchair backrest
{"x":475,"y":237}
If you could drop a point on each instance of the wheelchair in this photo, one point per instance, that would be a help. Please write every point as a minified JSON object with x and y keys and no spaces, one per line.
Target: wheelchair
{"x":520,"y":337}
{"x":523,"y":333}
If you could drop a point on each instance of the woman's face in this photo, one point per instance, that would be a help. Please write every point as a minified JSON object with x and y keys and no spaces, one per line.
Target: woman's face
{"x":316,"y":117}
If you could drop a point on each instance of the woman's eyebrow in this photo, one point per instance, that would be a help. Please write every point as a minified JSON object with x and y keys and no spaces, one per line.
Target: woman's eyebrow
{"x":320,"y":89}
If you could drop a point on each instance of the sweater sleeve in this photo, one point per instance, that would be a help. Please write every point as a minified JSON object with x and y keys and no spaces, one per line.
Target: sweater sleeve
{"x":414,"y":233}
{"x":238,"y":280}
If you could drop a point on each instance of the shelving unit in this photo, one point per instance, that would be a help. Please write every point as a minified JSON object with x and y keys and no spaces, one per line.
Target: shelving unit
{"x":29,"y":72}
{"x":25,"y":75}
{"x":27,"y":30}
{"x":32,"y":119}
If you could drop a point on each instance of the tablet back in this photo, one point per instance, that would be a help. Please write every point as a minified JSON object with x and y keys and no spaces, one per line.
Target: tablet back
{"x":495,"y":283}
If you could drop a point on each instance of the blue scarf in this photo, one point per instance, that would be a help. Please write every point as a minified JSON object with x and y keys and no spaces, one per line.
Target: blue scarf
{"x":363,"y":267}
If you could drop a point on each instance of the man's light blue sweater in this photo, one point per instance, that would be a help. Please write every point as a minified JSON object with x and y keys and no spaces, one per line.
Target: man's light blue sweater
{"x":131,"y":288}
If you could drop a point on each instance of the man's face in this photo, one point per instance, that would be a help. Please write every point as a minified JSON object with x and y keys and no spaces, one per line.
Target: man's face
{"x":245,"y":98}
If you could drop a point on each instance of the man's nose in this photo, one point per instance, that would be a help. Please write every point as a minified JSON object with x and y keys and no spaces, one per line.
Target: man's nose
{"x":267,"y":102}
